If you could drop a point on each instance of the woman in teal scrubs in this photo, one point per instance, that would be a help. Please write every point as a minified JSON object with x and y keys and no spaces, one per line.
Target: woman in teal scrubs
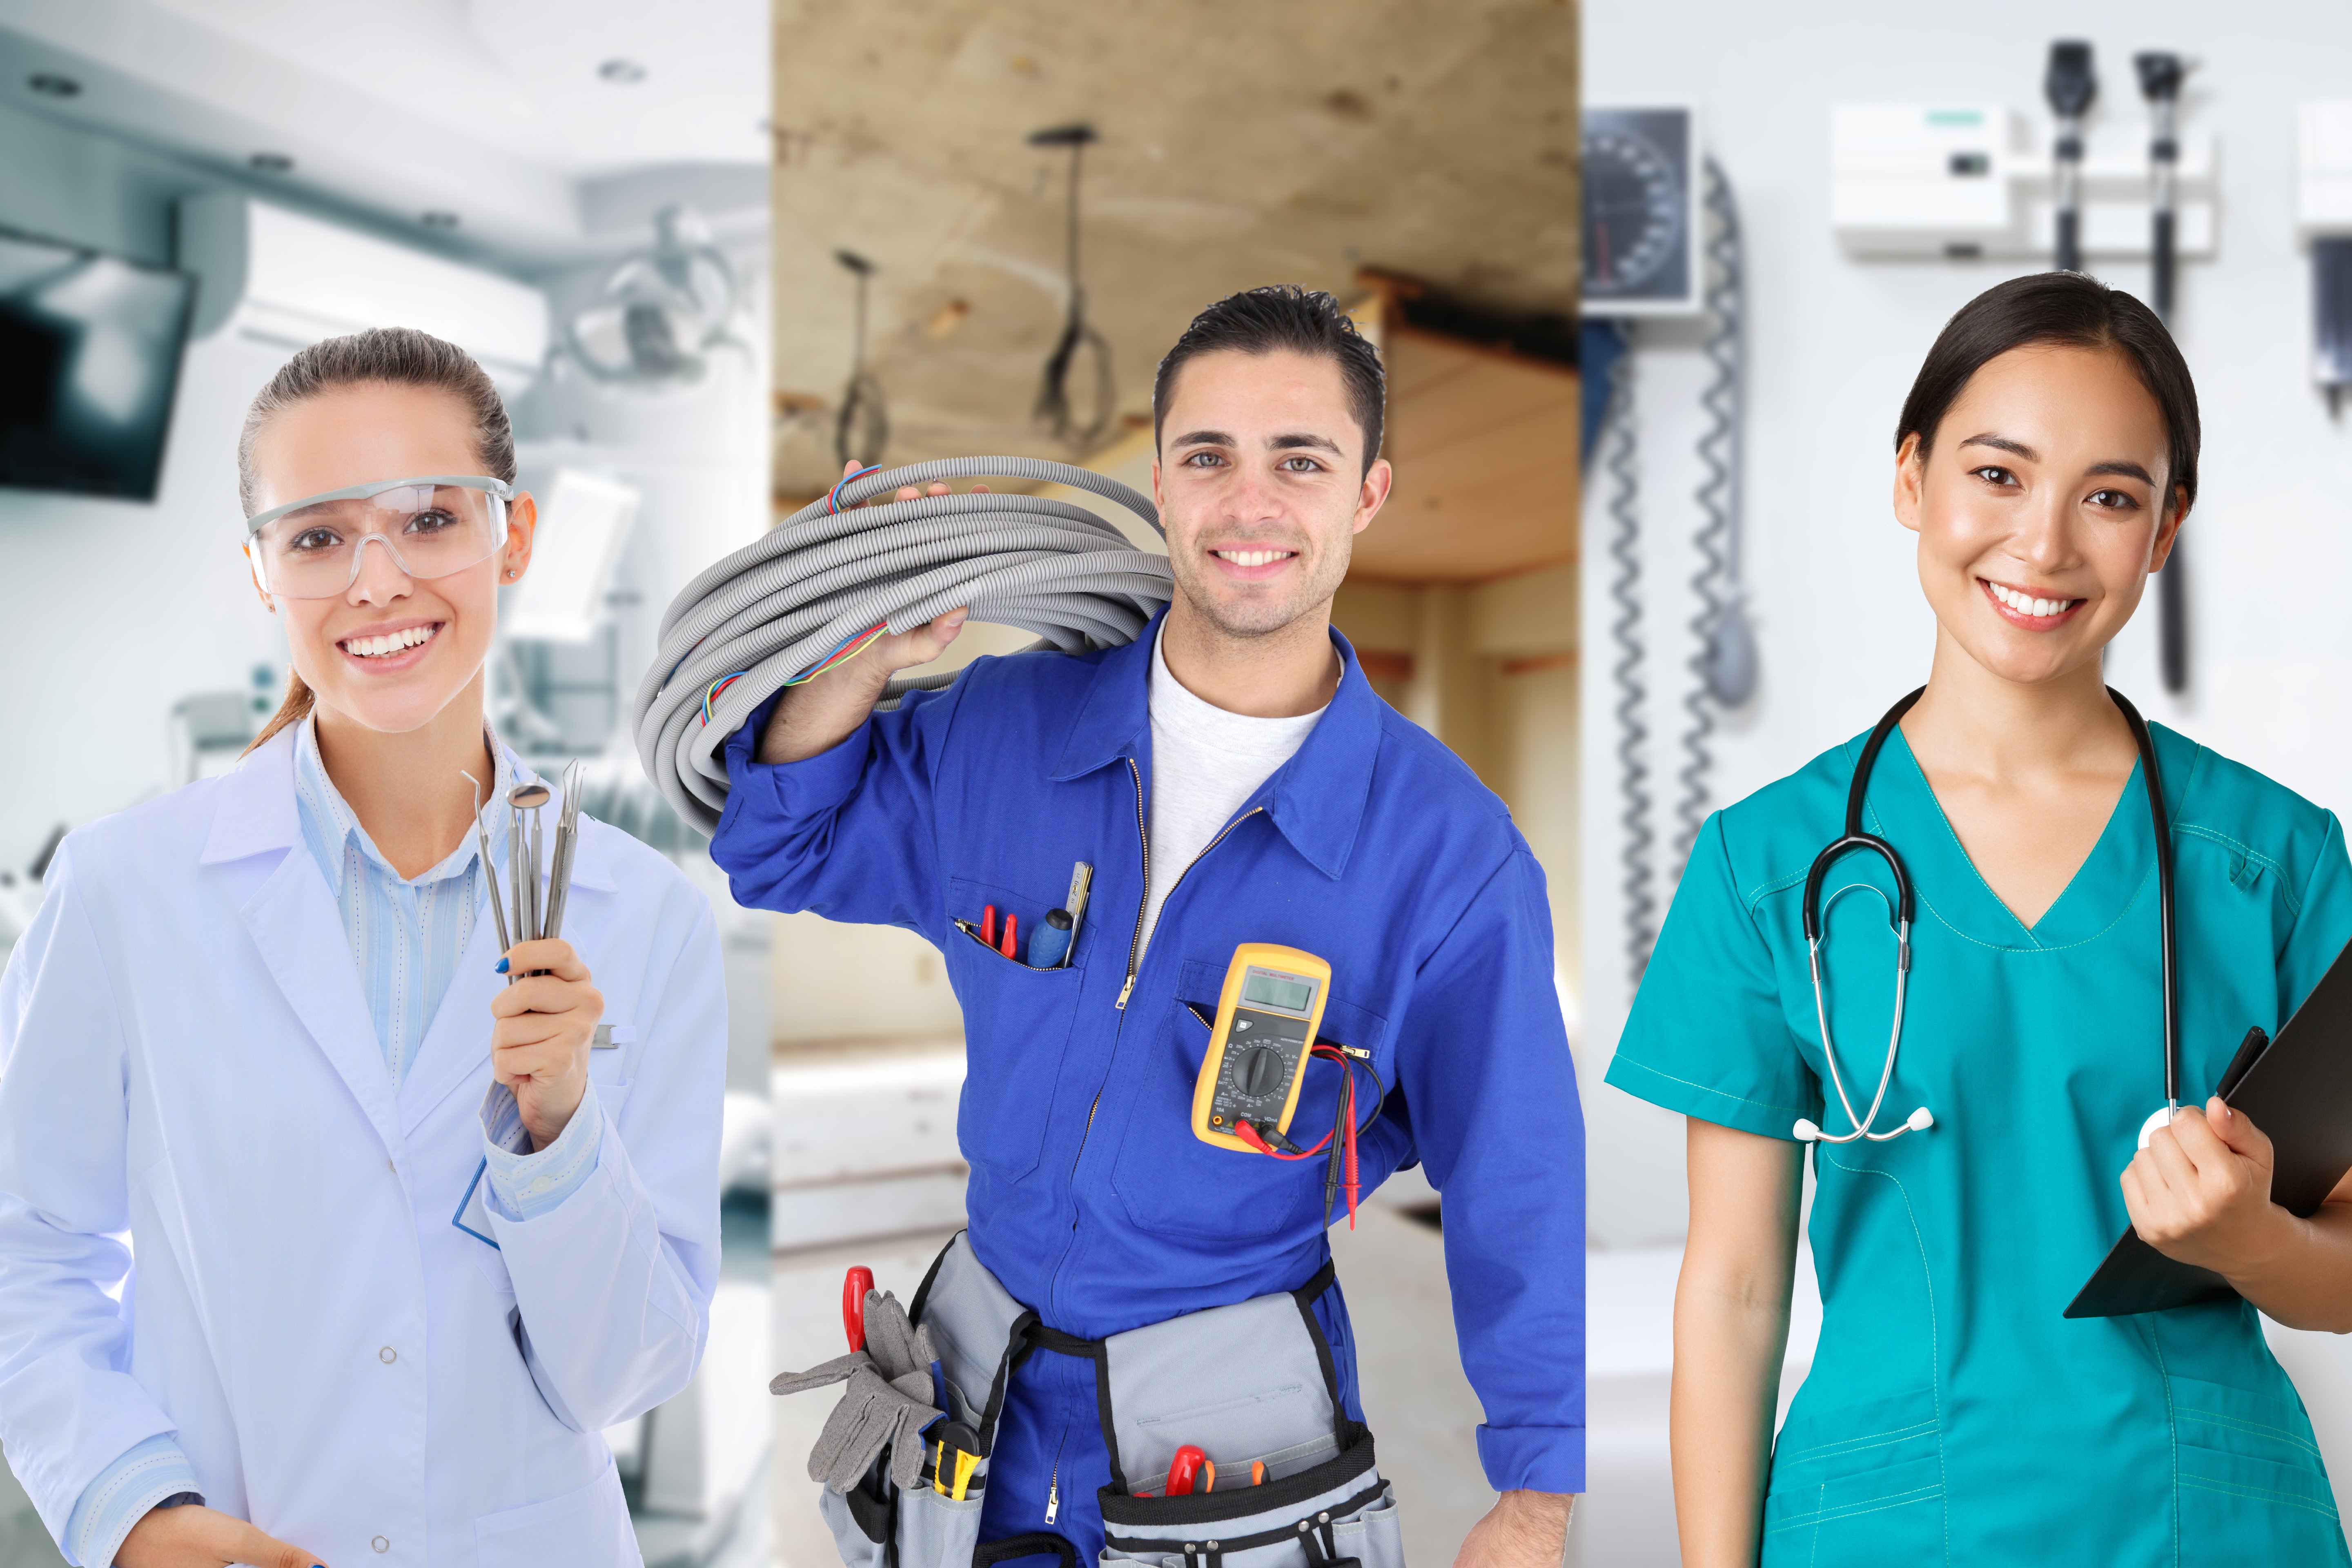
{"x":2046,"y":458}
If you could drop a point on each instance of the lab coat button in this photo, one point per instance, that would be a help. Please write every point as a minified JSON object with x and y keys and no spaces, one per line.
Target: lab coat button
{"x":380,"y":1544}
{"x":386,"y":1356}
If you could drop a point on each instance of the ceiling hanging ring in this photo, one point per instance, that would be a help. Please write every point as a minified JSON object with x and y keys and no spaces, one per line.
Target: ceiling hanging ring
{"x":863,"y":427}
{"x":1078,"y":336}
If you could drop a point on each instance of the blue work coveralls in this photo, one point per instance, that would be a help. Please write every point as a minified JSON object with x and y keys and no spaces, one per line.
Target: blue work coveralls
{"x":1375,"y":848}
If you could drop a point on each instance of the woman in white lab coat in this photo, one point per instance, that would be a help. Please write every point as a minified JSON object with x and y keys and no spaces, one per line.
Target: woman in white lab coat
{"x":262,"y":1026}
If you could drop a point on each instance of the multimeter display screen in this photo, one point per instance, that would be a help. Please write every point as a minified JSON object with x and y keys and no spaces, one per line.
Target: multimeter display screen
{"x":1264,"y":990}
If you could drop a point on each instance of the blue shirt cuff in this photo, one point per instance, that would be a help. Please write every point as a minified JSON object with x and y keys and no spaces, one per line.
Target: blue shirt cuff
{"x":1533,"y":1459}
{"x":803,"y":788}
{"x":524,"y":1185}
{"x":120,"y":1498}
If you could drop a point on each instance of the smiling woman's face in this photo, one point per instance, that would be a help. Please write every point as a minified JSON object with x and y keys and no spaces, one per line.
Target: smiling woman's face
{"x":2042,"y":507}
{"x":391,"y":651}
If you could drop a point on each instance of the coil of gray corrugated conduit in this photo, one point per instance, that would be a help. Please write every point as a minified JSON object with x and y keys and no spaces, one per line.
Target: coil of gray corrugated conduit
{"x":780,"y":609}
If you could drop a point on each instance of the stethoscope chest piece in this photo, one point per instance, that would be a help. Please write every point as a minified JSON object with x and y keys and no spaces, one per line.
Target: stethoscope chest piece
{"x":2162,"y":1116}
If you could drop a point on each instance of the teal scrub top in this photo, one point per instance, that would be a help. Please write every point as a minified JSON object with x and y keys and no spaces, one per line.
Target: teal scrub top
{"x":1952,"y":1414}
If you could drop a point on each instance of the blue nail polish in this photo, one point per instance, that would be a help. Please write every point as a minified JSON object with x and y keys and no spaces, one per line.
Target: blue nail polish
{"x":502,"y":969}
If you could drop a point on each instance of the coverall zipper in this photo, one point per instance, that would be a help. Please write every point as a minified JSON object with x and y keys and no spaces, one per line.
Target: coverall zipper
{"x":1135,"y":942}
{"x":1054,"y":1485}
{"x":1138,"y":942}
{"x":1134,"y":950}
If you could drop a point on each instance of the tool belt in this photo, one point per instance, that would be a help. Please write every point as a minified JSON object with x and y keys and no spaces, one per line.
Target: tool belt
{"x":1323,"y":1503}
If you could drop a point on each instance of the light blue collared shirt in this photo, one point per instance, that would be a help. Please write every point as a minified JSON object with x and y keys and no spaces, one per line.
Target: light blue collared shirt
{"x":408,"y":936}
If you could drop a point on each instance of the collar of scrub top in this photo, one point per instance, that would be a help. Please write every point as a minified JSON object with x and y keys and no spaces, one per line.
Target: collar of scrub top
{"x":499,"y":488}
{"x":1316,"y":800}
{"x":2152,"y":777}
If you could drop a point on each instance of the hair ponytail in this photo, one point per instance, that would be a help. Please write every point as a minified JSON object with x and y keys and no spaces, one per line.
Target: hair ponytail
{"x":293,"y":711}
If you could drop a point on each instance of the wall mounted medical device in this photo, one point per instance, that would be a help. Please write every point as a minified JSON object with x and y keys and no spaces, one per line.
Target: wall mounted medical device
{"x":2160,"y":83}
{"x":2071,"y":86}
{"x":1663,"y":239}
{"x":1642,"y":227}
{"x":2323,"y":217}
{"x":1966,"y":180}
{"x":1267,"y":1015}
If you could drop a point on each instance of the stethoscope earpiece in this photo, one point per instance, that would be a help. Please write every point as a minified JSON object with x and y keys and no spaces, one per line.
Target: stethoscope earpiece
{"x":1807,"y":1130}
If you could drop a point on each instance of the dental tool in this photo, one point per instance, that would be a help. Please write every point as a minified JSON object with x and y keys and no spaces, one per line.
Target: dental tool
{"x":567,"y":843}
{"x":489,"y":872}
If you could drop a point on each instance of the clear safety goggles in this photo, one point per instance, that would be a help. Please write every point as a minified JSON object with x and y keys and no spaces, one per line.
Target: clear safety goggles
{"x":430,"y":526}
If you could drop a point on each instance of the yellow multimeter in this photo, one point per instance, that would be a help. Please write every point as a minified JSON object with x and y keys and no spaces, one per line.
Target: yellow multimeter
{"x":1266,"y":1019}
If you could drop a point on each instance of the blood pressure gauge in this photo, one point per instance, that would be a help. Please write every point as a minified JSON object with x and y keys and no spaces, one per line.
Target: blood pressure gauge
{"x":1640,"y":212}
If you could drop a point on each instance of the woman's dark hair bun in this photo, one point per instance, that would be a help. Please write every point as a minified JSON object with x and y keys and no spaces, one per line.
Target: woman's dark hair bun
{"x":2064,"y":308}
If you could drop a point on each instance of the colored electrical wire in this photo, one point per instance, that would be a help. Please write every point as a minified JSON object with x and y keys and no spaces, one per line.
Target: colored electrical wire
{"x":816,"y":591}
{"x":716,"y":688}
{"x":1340,"y":1142}
{"x":833,"y":496}
{"x":844,"y":653}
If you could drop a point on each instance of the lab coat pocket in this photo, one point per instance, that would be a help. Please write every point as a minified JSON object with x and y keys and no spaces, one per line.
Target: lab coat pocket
{"x":1853,"y":1484}
{"x":2249,"y":1466}
{"x":1017,"y":1027}
{"x":589,"y":1527}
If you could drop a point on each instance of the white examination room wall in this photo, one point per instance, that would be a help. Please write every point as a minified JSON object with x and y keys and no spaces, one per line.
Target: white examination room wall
{"x":1833,"y":345}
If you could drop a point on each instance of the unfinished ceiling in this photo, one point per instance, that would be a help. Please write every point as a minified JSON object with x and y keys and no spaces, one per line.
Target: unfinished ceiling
{"x":1242,"y":143}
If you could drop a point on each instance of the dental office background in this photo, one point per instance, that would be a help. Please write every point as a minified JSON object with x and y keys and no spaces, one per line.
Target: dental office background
{"x":576,"y":192}
{"x":1834,"y":329}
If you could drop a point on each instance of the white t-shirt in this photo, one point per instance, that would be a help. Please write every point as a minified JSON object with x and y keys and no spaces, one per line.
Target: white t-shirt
{"x":1205,"y":762}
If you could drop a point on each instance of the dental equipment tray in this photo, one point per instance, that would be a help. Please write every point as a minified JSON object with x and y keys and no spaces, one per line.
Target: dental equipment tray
{"x":2298,"y":1090}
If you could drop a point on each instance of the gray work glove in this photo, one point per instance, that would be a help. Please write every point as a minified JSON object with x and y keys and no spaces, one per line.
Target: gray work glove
{"x":887,"y":1403}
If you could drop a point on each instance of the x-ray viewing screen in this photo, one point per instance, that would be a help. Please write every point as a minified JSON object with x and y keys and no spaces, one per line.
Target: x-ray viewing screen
{"x":89,"y":355}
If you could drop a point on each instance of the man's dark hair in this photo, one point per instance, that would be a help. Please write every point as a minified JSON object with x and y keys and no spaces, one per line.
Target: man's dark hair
{"x":1284,"y":316}
{"x":2067,"y":309}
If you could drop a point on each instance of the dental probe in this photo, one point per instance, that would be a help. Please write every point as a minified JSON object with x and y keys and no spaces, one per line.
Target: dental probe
{"x":490,"y":871}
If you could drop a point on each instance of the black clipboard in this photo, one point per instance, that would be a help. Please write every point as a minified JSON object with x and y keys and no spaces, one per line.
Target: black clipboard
{"x":2298,"y":1090}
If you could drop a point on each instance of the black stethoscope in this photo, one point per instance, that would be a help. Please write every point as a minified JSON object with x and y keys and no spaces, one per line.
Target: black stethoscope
{"x":1919,"y":1120}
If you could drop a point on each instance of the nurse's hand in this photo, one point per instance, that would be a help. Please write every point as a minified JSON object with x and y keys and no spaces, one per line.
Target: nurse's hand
{"x":193,"y":1536}
{"x":2201,"y":1193}
{"x":539,"y":1043}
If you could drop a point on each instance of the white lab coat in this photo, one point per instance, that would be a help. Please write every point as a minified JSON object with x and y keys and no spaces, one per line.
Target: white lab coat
{"x":185,"y":1056}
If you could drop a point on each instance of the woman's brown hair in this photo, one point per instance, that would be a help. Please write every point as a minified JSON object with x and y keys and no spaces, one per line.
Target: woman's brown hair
{"x":395,"y":356}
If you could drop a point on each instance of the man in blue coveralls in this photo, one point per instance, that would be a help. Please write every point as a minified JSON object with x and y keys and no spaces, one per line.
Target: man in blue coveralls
{"x":1232,"y":778}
